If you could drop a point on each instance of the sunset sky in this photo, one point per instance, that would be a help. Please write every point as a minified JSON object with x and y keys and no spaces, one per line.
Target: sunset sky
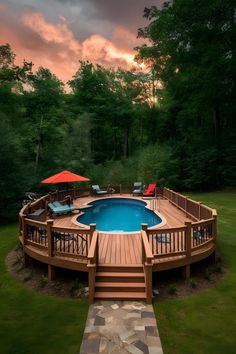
{"x":58,"y":33}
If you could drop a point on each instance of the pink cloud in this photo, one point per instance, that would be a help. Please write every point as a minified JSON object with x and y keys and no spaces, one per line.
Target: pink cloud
{"x":53,"y":45}
{"x":98,"y":49}
{"x":57,"y":33}
{"x":123,"y":38}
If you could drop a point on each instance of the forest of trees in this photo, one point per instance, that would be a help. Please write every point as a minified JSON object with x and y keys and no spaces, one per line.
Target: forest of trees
{"x":174,"y":124}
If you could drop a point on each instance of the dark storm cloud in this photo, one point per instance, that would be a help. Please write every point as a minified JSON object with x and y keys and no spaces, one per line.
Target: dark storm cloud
{"x":87,"y":17}
{"x":127,"y":13}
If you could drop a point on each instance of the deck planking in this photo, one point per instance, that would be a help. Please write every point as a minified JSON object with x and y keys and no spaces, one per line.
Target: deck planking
{"x":119,"y":249}
{"x":125,"y":249}
{"x":174,"y":216}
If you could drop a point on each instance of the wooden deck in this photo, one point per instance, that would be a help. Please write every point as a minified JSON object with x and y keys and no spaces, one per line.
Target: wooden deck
{"x":173,"y":216}
{"x":120,"y":265}
{"x":119,"y":249}
{"x":125,"y":249}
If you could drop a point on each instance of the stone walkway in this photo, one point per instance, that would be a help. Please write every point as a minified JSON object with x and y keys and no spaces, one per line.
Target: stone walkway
{"x":121,"y":327}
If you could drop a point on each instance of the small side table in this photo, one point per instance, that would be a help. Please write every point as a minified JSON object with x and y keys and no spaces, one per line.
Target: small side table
{"x":36,"y":215}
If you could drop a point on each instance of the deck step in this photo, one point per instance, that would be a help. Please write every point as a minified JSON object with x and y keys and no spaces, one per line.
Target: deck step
{"x":123,"y":277}
{"x":119,"y":274}
{"x":117,"y":286}
{"x":123,"y":282}
{"x":134,"y":268}
{"x":120,"y":295}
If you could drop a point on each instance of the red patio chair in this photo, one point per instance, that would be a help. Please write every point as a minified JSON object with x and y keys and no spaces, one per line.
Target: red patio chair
{"x":150,"y":192}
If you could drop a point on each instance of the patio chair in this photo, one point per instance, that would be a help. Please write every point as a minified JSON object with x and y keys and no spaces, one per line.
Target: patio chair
{"x":138,"y":188}
{"x":29,"y":197}
{"x":57,"y":208}
{"x":150,"y":192}
{"x":198,"y":234}
{"x":163,"y":238}
{"x":63,"y":236}
{"x":96,"y":190}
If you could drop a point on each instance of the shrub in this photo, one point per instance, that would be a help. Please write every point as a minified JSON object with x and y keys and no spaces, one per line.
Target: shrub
{"x":20,"y":267}
{"x":28,"y":276}
{"x":172,"y":289}
{"x":18,"y":260}
{"x":43,"y":281}
{"x":18,"y":246}
{"x":192,"y":283}
{"x":207,"y":274}
{"x":74,"y":287}
{"x":218,"y":268}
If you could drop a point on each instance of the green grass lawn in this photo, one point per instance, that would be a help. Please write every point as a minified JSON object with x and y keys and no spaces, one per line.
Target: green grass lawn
{"x":32,"y":322}
{"x":205,"y":323}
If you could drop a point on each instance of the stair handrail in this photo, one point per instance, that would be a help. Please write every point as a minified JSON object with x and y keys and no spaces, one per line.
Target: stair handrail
{"x":147,"y":255}
{"x":147,"y":258}
{"x":92,"y":264}
{"x":93,"y":249}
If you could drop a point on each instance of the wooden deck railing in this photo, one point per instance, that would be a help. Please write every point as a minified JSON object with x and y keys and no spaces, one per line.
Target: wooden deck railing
{"x":167,"y":242}
{"x":202,"y":233}
{"x":195,"y":210}
{"x":170,"y":243}
{"x":57,"y":241}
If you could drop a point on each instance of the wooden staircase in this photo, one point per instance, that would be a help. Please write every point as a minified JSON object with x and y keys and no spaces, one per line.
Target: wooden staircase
{"x":121,"y":282}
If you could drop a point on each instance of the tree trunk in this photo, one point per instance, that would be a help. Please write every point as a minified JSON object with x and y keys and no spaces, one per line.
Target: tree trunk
{"x":38,"y":147}
{"x":216,"y":121}
{"x":126,"y":143}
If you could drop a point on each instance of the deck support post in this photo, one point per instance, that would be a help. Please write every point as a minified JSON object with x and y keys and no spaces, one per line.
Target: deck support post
{"x":92,"y":276}
{"x":213,"y":257}
{"x":50,"y":238}
{"x":186,"y":272}
{"x":144,"y":228}
{"x":92,"y":229}
{"x":188,"y":243}
{"x":92,"y":265}
{"x":214,"y":233}
{"x":23,"y":230}
{"x":148,"y":278}
{"x":51,"y":272}
{"x":147,"y":257}
{"x":27,"y":260}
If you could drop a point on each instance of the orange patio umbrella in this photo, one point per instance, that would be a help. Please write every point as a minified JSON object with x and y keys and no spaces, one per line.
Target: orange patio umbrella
{"x":65,"y":177}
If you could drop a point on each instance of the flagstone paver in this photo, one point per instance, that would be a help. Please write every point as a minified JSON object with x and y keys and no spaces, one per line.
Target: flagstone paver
{"x":121,"y":327}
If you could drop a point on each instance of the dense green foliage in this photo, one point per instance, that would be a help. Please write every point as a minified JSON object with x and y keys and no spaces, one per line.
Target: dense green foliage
{"x":33,"y":322}
{"x":120,"y":126}
{"x":193,"y":52}
{"x":205,"y":322}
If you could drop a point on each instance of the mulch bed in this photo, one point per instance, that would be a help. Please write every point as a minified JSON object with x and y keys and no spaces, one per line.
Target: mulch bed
{"x":69,"y":284}
{"x":72,"y":284}
{"x":204,"y":276}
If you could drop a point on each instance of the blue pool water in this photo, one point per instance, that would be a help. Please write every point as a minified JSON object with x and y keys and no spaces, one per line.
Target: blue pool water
{"x":118,"y":215}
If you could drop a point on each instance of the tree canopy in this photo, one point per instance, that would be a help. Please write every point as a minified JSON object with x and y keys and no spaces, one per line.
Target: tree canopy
{"x":173,"y":124}
{"x":192,"y":49}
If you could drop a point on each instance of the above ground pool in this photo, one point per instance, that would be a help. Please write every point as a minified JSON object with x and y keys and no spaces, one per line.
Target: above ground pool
{"x":118,"y":215}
